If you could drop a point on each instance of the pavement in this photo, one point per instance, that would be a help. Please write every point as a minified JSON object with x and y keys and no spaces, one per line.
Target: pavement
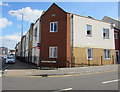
{"x":60,"y":71}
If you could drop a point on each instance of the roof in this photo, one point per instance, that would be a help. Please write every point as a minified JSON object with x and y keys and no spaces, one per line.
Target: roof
{"x":89,"y":17}
{"x":111,"y":18}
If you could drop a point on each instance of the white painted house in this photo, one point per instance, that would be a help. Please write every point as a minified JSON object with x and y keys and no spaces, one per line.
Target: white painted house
{"x":26,"y":46}
{"x":36,"y":39}
{"x":92,"y":39}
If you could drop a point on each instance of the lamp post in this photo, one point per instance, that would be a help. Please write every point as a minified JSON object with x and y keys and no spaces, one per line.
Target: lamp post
{"x":21,"y":33}
{"x":22,"y":23}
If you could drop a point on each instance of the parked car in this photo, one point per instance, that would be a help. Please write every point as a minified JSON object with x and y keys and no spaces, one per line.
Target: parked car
{"x":10,"y":59}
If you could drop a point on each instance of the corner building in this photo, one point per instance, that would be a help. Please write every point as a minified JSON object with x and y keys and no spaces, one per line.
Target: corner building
{"x":70,"y":40}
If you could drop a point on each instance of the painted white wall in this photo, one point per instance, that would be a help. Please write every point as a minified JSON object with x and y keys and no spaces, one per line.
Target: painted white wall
{"x":26,"y":44}
{"x":23,"y":46}
{"x":36,"y":52}
{"x":96,"y":41}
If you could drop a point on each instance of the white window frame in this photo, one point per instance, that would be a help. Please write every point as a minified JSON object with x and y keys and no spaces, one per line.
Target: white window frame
{"x":53,"y":27}
{"x":91,"y":54}
{"x":89,"y":30}
{"x":116,"y":37}
{"x":106,"y":35}
{"x":108,"y":56}
{"x":51,"y":52}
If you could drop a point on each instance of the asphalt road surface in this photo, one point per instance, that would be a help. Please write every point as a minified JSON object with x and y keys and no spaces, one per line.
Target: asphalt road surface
{"x":18,"y":65}
{"x":2,"y":63}
{"x":95,"y":81}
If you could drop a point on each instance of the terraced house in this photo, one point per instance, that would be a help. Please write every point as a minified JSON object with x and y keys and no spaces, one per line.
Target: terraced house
{"x":70,"y":40}
{"x":30,"y":43}
{"x":36,"y":40}
{"x":116,"y":35}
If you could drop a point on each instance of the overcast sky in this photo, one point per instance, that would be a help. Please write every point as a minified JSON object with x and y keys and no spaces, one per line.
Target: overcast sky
{"x":10,"y":23}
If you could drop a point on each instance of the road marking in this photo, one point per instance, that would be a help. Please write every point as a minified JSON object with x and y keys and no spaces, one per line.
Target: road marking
{"x":110,"y":81}
{"x":60,"y":75}
{"x":66,"y":89}
{"x":82,"y":74}
{"x":5,"y":67}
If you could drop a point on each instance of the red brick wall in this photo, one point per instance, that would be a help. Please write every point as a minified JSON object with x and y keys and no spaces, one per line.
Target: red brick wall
{"x":59,"y":39}
{"x":117,"y":41}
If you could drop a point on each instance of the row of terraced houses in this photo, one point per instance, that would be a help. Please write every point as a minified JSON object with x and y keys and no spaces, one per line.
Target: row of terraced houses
{"x":62,"y":39}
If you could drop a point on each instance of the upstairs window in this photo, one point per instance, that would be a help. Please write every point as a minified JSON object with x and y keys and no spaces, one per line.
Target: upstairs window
{"x":106,"y":33}
{"x":30,"y":37}
{"x":106,"y":54}
{"x":115,"y":36}
{"x":53,"y":26}
{"x":89,"y":30}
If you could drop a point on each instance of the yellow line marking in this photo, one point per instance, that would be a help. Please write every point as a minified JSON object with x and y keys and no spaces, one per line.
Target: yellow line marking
{"x":64,"y":75}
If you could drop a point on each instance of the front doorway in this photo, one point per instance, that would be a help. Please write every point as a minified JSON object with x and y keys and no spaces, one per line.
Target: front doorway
{"x":117,"y":57}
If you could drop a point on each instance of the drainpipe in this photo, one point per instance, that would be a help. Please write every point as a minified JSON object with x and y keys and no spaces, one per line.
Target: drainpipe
{"x":40,"y":42}
{"x":71,"y":39}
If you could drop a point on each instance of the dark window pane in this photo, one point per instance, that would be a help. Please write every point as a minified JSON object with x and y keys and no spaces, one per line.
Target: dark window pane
{"x":88,"y":32}
{"x":51,"y":26}
{"x":55,"y":27}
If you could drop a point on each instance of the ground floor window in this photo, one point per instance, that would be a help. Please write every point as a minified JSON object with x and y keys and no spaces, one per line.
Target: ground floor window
{"x":117,"y":57}
{"x":89,"y":53}
{"x":106,"y":54}
{"x":52,"y":52}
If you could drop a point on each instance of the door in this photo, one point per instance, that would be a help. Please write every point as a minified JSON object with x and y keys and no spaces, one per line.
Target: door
{"x":117,"y":57}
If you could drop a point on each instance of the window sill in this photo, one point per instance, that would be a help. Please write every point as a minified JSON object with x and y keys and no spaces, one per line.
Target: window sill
{"x":106,"y":58}
{"x":53,"y":32}
{"x":89,"y":58}
{"x":53,"y":57}
{"x":105,"y":38}
{"x":89,"y":35}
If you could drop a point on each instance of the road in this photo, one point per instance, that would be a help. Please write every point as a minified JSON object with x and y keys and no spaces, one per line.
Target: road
{"x":18,"y":65}
{"x":2,"y":63}
{"x":87,"y":81}
{"x":102,"y":81}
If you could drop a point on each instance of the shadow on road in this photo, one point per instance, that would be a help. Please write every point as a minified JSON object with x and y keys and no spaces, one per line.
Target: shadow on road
{"x":19,"y":65}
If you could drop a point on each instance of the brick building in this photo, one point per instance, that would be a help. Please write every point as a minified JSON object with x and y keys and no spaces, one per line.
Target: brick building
{"x":70,"y":40}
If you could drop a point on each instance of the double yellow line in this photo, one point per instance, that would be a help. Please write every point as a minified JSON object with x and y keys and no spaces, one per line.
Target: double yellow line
{"x":66,"y":75}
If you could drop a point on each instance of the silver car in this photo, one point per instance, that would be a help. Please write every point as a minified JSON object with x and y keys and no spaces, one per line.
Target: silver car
{"x":10,"y":59}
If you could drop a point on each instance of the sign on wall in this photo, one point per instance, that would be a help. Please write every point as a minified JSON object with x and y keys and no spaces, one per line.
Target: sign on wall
{"x":38,"y":46}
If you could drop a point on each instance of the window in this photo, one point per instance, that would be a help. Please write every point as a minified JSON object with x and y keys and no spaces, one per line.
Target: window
{"x":30,"y":37}
{"x":53,"y":27}
{"x":105,"y":33}
{"x":53,"y":52}
{"x":89,"y":30}
{"x":89,"y":53}
{"x":115,"y":35}
{"x":35,"y":33}
{"x":106,"y":54}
